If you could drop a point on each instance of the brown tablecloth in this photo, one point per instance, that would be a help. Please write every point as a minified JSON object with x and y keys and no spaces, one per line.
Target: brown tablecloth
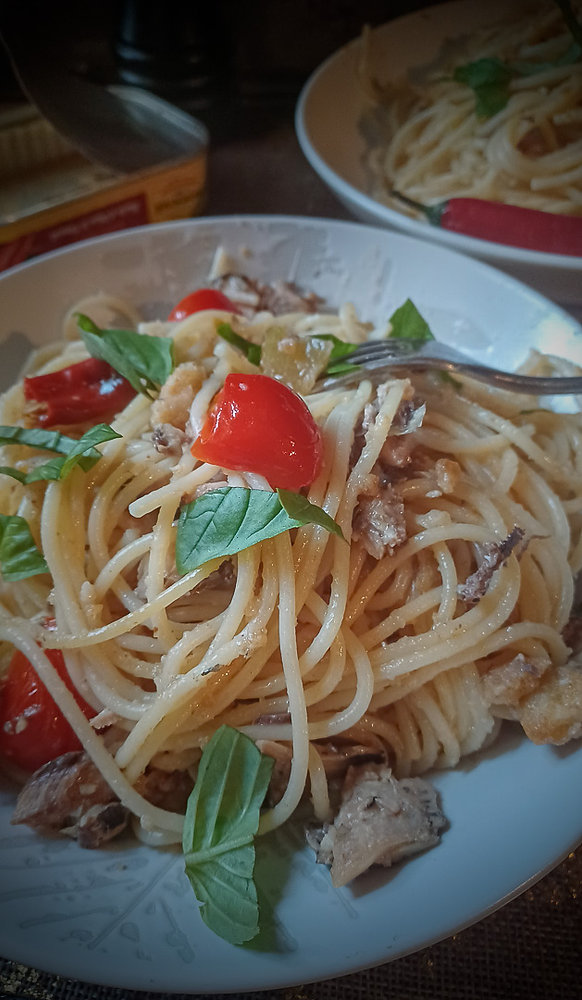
{"x":531,"y":949}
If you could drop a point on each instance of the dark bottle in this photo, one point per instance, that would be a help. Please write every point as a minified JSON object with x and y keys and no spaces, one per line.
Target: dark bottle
{"x":179,"y":51}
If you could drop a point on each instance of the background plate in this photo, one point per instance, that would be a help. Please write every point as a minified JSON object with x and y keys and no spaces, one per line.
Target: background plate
{"x":332,"y":122}
{"x":125,"y":916}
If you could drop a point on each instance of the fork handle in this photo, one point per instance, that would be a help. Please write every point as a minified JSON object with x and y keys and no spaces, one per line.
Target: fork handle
{"x":535,"y":385}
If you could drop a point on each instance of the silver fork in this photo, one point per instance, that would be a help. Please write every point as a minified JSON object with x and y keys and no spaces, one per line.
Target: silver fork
{"x":376,"y":359}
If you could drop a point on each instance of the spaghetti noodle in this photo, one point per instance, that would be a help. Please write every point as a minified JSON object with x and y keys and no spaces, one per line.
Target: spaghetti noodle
{"x":439,"y":612}
{"x":527,"y":151}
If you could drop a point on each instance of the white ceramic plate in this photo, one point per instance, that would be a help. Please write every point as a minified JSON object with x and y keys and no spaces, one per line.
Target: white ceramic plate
{"x":329,"y":122}
{"x":125,"y":916}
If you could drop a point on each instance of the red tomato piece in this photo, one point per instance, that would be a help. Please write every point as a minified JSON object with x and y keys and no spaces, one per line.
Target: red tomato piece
{"x":258,"y":424}
{"x":204,"y":298}
{"x":87,"y":390}
{"x":33,"y":729}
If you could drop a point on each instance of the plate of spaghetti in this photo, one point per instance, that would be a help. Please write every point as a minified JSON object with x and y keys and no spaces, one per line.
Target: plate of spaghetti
{"x":461,"y":124}
{"x":280,"y":656}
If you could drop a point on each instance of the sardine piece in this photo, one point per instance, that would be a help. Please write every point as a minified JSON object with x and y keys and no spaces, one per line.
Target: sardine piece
{"x":381,"y":820}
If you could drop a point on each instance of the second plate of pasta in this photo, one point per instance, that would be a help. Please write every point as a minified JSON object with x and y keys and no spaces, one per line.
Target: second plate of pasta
{"x":459,"y":100}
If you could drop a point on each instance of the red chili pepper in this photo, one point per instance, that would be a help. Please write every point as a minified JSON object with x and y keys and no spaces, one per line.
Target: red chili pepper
{"x":257,"y":424}
{"x":33,"y":729}
{"x":89,"y":390}
{"x":512,"y":225}
{"x":203,"y":298}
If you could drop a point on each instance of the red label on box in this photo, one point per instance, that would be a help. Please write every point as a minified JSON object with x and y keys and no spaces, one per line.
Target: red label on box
{"x":120,"y":215}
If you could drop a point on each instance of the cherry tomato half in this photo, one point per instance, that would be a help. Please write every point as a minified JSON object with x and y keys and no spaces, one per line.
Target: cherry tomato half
{"x":33,"y":729}
{"x":204,"y":298}
{"x":257,"y":424}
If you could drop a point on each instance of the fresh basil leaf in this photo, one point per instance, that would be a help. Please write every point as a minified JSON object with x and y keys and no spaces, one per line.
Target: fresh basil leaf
{"x":146,"y":362}
{"x":8,"y":470}
{"x":19,"y":556}
{"x":341,"y":349}
{"x":36,"y":437}
{"x":71,"y":451}
{"x":226,"y":521}
{"x":408,"y":324}
{"x":221,"y":821}
{"x":341,"y":368}
{"x":489,"y":79}
{"x":300,"y":509}
{"x":85,"y":448}
{"x":251,"y":351}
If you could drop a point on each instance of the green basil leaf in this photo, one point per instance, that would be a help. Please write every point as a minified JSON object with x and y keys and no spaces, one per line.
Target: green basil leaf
{"x":19,"y":556}
{"x":341,"y":368}
{"x":341,"y":349}
{"x":71,"y":451}
{"x":408,"y":324}
{"x":226,"y":521}
{"x":251,"y":351}
{"x":85,"y":448}
{"x":300,"y":509}
{"x":36,"y":437}
{"x":146,"y":362}
{"x":489,"y":79}
{"x":8,"y":470}
{"x":482,"y":71}
{"x":221,"y":821}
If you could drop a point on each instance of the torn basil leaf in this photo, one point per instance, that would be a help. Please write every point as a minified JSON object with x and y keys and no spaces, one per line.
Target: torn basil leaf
{"x":227,"y":520}
{"x":341,"y":349}
{"x":408,"y":324}
{"x":221,"y":821}
{"x":19,"y":556}
{"x":146,"y":362}
{"x":70,"y":451}
{"x":36,"y":437}
{"x":302,"y":510}
{"x":252,"y":352}
{"x":489,"y":79}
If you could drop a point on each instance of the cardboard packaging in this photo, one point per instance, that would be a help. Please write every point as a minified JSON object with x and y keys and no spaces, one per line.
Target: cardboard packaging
{"x":52,"y":195}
